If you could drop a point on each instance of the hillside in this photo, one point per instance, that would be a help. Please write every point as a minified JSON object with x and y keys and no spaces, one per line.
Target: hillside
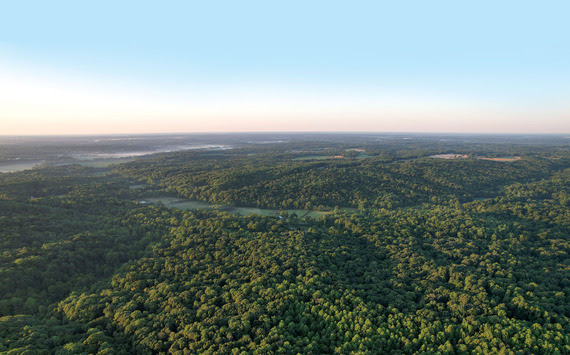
{"x":408,"y":254}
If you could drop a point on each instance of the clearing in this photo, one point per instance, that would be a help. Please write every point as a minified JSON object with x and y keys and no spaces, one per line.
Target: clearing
{"x":184,"y":204}
{"x":503,"y":159}
{"x":449,"y":156}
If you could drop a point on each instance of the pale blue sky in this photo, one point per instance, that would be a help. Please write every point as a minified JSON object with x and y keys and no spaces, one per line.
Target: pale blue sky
{"x":102,"y":66}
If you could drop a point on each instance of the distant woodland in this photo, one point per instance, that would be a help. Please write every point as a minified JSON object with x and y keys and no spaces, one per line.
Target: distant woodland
{"x":410,"y":253}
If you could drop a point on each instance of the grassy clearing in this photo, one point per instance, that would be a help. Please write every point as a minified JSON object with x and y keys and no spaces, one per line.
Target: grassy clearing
{"x":276,"y":213}
{"x":349,"y":209}
{"x":136,"y":187}
{"x":329,"y":157}
{"x":191,"y":205}
{"x":316,"y":214}
{"x":183,"y":204}
{"x":17,"y":166}
{"x":104,"y":163}
{"x":503,"y":159}
{"x":448,"y":156}
{"x":166,"y":201}
{"x":247,"y":211}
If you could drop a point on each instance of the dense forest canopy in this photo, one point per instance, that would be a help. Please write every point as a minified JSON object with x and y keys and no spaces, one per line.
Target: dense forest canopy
{"x":463,"y":252}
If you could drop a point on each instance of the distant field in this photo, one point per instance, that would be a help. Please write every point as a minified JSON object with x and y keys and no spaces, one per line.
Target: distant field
{"x":449,"y":156}
{"x":12,"y":166}
{"x":503,"y":159}
{"x":314,"y":157}
{"x":104,"y":163}
{"x":175,"y":202}
{"x":137,"y":186}
{"x":275,"y":213}
{"x":463,"y":156}
{"x":183,"y":204}
{"x":247,"y":210}
{"x":326,"y":157}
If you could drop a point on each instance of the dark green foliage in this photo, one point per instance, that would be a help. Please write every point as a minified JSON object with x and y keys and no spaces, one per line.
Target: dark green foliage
{"x":276,"y":181}
{"x":418,"y":268}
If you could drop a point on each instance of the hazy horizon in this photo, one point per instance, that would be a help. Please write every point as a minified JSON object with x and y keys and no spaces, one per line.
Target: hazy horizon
{"x":427,"y":133}
{"x":69,"y":68}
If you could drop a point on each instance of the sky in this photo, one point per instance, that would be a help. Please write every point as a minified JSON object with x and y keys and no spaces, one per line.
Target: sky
{"x":113,"y":67}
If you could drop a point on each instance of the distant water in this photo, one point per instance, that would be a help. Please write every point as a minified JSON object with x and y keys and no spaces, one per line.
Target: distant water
{"x":10,"y":166}
{"x":13,"y":166}
{"x":138,"y":153}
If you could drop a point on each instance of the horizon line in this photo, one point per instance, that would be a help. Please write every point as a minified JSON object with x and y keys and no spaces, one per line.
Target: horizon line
{"x":283,"y":132}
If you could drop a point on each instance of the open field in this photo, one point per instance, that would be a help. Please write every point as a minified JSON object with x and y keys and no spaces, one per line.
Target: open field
{"x":15,"y":165}
{"x":104,"y":163}
{"x":247,"y":211}
{"x":449,"y":156}
{"x":326,"y":157}
{"x":502,"y":159}
{"x":463,"y":156}
{"x":137,"y":186}
{"x":275,"y":213}
{"x":316,"y":214}
{"x":175,"y":202}
{"x":314,"y":157}
{"x":183,"y":204}
{"x":19,"y":165}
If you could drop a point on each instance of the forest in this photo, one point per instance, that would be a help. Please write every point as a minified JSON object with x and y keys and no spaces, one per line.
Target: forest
{"x":411,"y":253}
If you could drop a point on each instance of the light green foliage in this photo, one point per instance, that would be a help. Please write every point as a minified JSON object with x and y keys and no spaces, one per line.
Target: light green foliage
{"x":414,"y":267}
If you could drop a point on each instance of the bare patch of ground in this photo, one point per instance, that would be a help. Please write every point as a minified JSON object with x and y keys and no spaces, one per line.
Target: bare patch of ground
{"x":502,"y":159}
